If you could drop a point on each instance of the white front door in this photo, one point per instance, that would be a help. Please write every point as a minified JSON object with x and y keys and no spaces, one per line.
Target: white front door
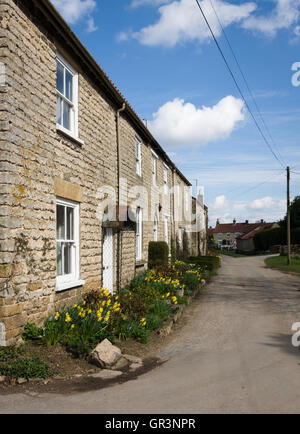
{"x":108,"y":260}
{"x":166,"y":230}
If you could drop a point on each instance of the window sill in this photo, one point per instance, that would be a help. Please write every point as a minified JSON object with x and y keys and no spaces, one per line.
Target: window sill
{"x":140,"y":263}
{"x":69,"y":285}
{"x":69,"y":135}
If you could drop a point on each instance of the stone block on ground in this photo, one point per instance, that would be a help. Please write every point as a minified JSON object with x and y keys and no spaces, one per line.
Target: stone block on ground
{"x":135,"y":366}
{"x":106,"y":374}
{"x":122,"y":363}
{"x":132,"y":359}
{"x":105,"y":354}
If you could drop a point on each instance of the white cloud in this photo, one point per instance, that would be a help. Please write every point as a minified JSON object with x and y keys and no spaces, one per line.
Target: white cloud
{"x":75,"y":10}
{"x":268,"y":208}
{"x":283,"y":16}
{"x":297,"y":30}
{"x":180,"y":124}
{"x":266,"y":203}
{"x":220,"y":203}
{"x":91,"y":27}
{"x":137,"y":3}
{"x":181,"y":21}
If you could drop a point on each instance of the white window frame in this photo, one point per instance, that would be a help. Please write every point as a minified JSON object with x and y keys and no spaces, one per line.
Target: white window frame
{"x":154,"y":167}
{"x":166,"y":187}
{"x":166,"y":227}
{"x":139,"y":233}
{"x":138,"y":156}
{"x":186,"y":200}
{"x":73,"y":131}
{"x":71,"y":280}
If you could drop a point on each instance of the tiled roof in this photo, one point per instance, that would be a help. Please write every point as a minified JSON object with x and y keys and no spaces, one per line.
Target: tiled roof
{"x":255,"y":231}
{"x":242,"y":228}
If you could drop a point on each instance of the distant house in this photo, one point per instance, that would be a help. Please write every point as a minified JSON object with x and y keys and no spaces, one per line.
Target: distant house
{"x":245,"y":242}
{"x":231,"y":235}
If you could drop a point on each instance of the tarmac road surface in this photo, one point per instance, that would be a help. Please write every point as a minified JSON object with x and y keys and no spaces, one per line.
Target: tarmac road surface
{"x":234,"y":355}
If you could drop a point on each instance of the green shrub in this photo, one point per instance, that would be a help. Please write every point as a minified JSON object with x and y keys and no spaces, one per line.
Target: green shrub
{"x":161,"y":309}
{"x":54,"y":330}
{"x":270,"y":237}
{"x":190,"y":281}
{"x":126,"y":329}
{"x":26,"y":368}
{"x":16,"y":363}
{"x":158,"y":254}
{"x":154,"y":322}
{"x":78,"y":348}
{"x":211,"y":263}
{"x":33,"y":334}
{"x":142,"y":334}
{"x":181,"y":300}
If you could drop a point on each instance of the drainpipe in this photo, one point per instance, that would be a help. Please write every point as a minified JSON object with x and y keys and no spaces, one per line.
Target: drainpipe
{"x":119,"y":194}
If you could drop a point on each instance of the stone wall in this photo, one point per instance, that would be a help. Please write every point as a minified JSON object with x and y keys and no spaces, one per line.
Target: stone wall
{"x":36,"y":156}
{"x":39,"y":164}
{"x":295,"y":249}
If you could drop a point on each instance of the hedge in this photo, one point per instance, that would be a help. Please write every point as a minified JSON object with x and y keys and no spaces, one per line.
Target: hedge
{"x":212,"y":262}
{"x":158,"y":254}
{"x":273,"y":237}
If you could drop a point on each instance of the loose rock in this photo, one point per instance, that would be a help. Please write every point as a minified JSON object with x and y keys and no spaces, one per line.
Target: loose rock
{"x":132,"y":359}
{"x":122,"y":363}
{"x":105,"y":354}
{"x":106,"y":374}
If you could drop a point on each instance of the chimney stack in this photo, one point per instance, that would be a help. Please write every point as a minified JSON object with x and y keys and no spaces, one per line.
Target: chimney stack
{"x":247,"y":222}
{"x":234,"y":221}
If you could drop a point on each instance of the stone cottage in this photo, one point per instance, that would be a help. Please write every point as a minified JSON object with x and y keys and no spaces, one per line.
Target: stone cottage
{"x":84,"y":186}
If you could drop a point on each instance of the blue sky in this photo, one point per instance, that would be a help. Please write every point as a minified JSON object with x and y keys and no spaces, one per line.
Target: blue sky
{"x":160,"y":55}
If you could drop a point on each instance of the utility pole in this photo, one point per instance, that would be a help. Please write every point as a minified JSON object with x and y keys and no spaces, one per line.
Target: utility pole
{"x":288,"y":218}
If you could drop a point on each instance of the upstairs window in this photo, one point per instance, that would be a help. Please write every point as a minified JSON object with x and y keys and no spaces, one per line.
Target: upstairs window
{"x":154,"y":169}
{"x":138,"y":152}
{"x":165,"y":180}
{"x":66,"y":97}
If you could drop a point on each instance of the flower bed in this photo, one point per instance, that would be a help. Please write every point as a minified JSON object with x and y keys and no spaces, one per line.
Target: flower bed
{"x":143,"y":306}
{"x":151,"y":302}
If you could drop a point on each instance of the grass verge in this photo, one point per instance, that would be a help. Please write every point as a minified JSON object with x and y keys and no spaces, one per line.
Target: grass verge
{"x":280,"y":263}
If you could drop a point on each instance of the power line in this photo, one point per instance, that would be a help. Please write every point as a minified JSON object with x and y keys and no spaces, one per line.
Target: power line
{"x":258,"y":185}
{"x":244,"y":78}
{"x":237,"y":85}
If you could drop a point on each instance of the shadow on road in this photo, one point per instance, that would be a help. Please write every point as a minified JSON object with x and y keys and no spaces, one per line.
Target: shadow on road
{"x":284,"y":343}
{"x":274,"y":296}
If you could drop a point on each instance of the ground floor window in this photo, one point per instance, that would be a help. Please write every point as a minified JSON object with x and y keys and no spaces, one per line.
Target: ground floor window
{"x":67,"y":243}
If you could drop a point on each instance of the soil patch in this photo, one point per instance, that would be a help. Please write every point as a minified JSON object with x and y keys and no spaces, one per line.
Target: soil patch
{"x":74,"y":375}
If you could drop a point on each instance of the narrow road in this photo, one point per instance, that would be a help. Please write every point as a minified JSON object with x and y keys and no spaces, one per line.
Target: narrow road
{"x":234,"y":355}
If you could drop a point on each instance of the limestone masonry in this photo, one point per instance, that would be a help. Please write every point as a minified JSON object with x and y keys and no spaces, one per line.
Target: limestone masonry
{"x":65,"y":133}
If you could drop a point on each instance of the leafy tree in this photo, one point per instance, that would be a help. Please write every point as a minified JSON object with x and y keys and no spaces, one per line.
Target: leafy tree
{"x":295,"y":214}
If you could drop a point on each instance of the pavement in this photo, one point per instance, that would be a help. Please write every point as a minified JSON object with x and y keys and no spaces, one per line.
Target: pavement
{"x":233,"y":355}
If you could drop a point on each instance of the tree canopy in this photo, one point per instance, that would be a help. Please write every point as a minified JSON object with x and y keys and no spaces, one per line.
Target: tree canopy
{"x":295,"y":214}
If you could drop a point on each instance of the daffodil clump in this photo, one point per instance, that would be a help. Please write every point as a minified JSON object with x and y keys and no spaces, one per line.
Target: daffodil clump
{"x":149,"y":300}
{"x":165,"y":284}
